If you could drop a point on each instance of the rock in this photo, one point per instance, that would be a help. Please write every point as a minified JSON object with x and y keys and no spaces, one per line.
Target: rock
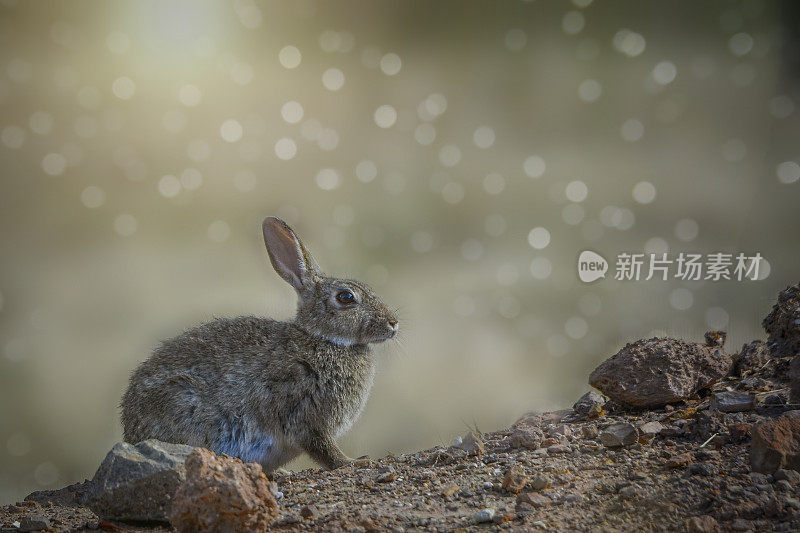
{"x":680,"y":460}
{"x":309,"y":512}
{"x":35,"y":522}
{"x":485,"y":515}
{"x":589,"y":431}
{"x":775,"y":444}
{"x":792,"y":476}
{"x":619,"y":434}
{"x":702,"y":524}
{"x":530,"y":438}
{"x":534,"y":499}
{"x":450,"y":490}
{"x":732,"y":402}
{"x":655,"y":372}
{"x":649,"y":430}
{"x":702,"y":469}
{"x":70,"y":496}
{"x":590,"y":405}
{"x":715,"y":338}
{"x":782,"y":324}
{"x":738,"y":431}
{"x":539,"y":482}
{"x":151,"y":468}
{"x":472,"y":444}
{"x":515,"y":479}
{"x":221,"y":493}
{"x":794,"y":381}
{"x":751,"y":357}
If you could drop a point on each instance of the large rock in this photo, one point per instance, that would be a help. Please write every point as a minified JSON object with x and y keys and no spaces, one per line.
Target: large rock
{"x":751,"y":358}
{"x":775,"y":444}
{"x":655,"y":372}
{"x":136,"y":483}
{"x":222,"y":494}
{"x":794,"y":377}
{"x":782,"y":324}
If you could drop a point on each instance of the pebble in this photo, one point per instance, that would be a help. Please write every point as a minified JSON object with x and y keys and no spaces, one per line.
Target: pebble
{"x":558,"y":448}
{"x":310,"y":512}
{"x":792,"y":476}
{"x":36,"y":522}
{"x":732,"y":402}
{"x":677,"y":461}
{"x":539,"y":482}
{"x":534,"y":499}
{"x":515,"y":479}
{"x":485,"y":515}
{"x":619,"y":434}
{"x":589,"y":431}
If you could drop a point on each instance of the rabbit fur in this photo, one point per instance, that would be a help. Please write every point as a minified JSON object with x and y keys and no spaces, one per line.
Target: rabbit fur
{"x":260,"y":389}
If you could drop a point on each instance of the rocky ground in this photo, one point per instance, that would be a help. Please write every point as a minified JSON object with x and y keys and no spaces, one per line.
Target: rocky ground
{"x":717,"y":450}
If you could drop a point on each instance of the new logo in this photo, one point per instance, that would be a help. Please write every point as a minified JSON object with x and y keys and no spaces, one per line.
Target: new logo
{"x":591,"y":266}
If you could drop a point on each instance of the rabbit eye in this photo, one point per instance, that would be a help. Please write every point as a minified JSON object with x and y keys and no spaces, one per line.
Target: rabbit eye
{"x":346,"y":297}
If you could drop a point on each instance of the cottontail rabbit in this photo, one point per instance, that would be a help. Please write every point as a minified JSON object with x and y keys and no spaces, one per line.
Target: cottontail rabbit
{"x":260,"y":389}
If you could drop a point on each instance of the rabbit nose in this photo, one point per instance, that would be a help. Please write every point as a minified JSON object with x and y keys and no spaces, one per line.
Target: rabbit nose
{"x":392,"y":324}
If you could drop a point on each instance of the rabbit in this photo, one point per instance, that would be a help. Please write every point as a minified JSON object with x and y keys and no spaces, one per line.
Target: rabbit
{"x":263,"y":390}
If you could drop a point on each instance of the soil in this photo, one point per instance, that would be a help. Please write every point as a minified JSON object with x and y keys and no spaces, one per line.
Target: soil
{"x":694,"y":473}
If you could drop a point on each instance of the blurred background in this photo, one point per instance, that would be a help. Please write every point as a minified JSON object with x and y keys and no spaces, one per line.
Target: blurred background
{"x":458,"y":156}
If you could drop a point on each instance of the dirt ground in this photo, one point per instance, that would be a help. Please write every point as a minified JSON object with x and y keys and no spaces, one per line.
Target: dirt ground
{"x":549,"y":471}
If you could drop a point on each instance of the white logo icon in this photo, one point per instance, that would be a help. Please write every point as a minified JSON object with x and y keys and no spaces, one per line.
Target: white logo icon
{"x":591,"y":266}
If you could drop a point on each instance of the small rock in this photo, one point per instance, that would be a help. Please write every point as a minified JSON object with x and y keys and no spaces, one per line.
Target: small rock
{"x":739,"y":431}
{"x":450,"y":490}
{"x":556,"y":449}
{"x":589,"y":431}
{"x":309,"y":512}
{"x":649,"y":430}
{"x":539,"y":482}
{"x":715,"y":338}
{"x":151,"y":467}
{"x":534,"y":499}
{"x":655,"y":372}
{"x":680,"y":460}
{"x":590,"y":405}
{"x":529,"y":438}
{"x":732,"y":402}
{"x":386,"y":477}
{"x":781,"y":324}
{"x":222,"y":493}
{"x":523,"y":508}
{"x":515,"y":479}
{"x":702,"y":469}
{"x":485,"y":515}
{"x":472,"y":444}
{"x":775,"y":444}
{"x":702,"y":524}
{"x":792,"y":476}
{"x":36,"y":522}
{"x":619,"y":434}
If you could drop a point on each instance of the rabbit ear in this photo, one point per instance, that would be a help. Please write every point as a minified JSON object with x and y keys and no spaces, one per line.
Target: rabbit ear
{"x":289,"y":257}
